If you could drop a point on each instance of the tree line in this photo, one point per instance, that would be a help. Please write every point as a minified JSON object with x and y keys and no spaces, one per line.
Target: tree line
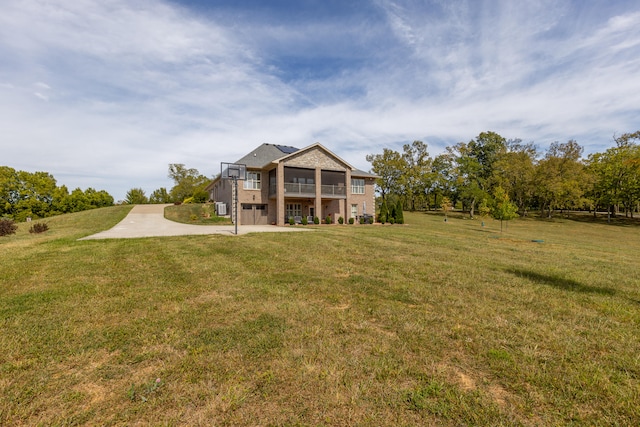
{"x":490,"y":171}
{"x":189,"y":187}
{"x":37,"y":195}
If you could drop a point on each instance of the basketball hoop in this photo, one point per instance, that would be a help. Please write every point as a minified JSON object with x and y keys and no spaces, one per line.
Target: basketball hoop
{"x":234,"y":172}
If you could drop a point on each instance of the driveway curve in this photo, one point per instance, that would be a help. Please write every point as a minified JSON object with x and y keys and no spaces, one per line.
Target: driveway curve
{"x":149,"y":221}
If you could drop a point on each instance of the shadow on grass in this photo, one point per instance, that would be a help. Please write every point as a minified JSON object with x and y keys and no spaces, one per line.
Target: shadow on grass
{"x":487,"y":232}
{"x":616,"y":220}
{"x":577,"y":216}
{"x":561,"y":282}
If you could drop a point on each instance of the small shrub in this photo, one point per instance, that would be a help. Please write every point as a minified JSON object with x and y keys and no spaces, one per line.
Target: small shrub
{"x":305,"y":221}
{"x":351,"y":221}
{"x":361,"y":220}
{"x":370,"y":220}
{"x":392,"y":220}
{"x":39,"y":227}
{"x":316,"y":220}
{"x":399,"y":215}
{"x":291,"y":221}
{"x":7,"y":227}
{"x":384,"y":213}
{"x":340,"y":220}
{"x":327,"y":220}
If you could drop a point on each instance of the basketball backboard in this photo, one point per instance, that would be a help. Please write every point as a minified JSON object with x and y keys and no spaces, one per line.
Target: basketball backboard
{"x":233,"y":171}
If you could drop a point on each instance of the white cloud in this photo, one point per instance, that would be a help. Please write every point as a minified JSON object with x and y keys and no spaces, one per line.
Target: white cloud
{"x":41,"y":96}
{"x":133,"y":86}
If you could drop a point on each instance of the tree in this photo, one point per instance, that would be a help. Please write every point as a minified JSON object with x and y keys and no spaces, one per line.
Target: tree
{"x":391,"y":215}
{"x":399,"y":217}
{"x":476,"y":161}
{"x":484,"y":209}
{"x":35,"y":195}
{"x":416,"y":178}
{"x":187,"y":181}
{"x":384,"y":212}
{"x":9,"y":190}
{"x":160,"y":196}
{"x":136,"y":196}
{"x":443,"y":170}
{"x":200,"y":196}
{"x":98,"y":199}
{"x":487,"y":149}
{"x":515,"y":171}
{"x":25,"y":194}
{"x":77,"y":201}
{"x":630,"y":164}
{"x":616,"y":175}
{"x":560,"y":177}
{"x":446,"y":206}
{"x":503,"y":209}
{"x":389,"y":167}
{"x":467,"y":177}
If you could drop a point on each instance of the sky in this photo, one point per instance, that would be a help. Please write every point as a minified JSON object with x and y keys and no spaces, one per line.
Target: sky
{"x":107,"y":93}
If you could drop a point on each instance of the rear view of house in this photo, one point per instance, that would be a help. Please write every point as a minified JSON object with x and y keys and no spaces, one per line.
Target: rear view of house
{"x":285,"y":182}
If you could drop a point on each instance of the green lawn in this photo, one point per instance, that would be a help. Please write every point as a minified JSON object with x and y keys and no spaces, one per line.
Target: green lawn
{"x":427,"y":323}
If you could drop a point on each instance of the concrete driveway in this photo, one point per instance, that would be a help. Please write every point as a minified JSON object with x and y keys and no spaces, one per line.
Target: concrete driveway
{"x":149,"y":221}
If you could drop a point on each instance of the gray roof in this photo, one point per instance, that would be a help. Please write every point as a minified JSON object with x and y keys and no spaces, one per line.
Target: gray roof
{"x":358,"y":172}
{"x":265,"y":154}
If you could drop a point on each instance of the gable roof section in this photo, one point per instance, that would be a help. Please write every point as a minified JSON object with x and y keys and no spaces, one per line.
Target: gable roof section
{"x":265,"y":154}
{"x":310,"y":148}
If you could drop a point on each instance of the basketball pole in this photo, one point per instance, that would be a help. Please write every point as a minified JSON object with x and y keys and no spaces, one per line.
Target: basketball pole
{"x":235,"y":203}
{"x":234,"y":172}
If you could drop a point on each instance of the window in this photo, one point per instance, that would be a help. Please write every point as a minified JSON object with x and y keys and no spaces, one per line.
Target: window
{"x":293,"y":209}
{"x":354,"y":211}
{"x":250,"y":207}
{"x":253,"y":181}
{"x":357,"y":186}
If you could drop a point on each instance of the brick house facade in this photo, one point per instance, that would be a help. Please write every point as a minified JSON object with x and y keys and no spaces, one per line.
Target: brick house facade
{"x":283,"y":182}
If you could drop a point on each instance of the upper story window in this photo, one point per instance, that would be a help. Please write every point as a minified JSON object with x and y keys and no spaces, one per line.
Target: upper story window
{"x":357,"y":186}
{"x":253,"y":181}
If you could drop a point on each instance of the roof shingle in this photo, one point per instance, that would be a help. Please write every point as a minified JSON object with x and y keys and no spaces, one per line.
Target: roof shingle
{"x":265,"y":154}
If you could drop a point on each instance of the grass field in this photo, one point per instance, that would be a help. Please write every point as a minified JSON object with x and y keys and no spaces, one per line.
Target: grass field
{"x":429,"y":323}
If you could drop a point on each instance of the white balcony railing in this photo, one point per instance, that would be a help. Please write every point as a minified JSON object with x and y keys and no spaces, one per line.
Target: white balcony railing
{"x":334,"y":190}
{"x":297,"y":188}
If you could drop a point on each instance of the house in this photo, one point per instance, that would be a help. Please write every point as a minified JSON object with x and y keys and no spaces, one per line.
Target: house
{"x":283,"y":182}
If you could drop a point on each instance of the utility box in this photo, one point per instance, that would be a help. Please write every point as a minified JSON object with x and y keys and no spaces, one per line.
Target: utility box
{"x":221,"y":208}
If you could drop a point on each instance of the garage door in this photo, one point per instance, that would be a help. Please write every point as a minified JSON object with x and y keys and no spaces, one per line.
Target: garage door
{"x":254,"y":214}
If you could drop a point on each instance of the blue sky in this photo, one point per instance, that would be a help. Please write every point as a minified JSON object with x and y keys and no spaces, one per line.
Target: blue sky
{"x":106,"y":94}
